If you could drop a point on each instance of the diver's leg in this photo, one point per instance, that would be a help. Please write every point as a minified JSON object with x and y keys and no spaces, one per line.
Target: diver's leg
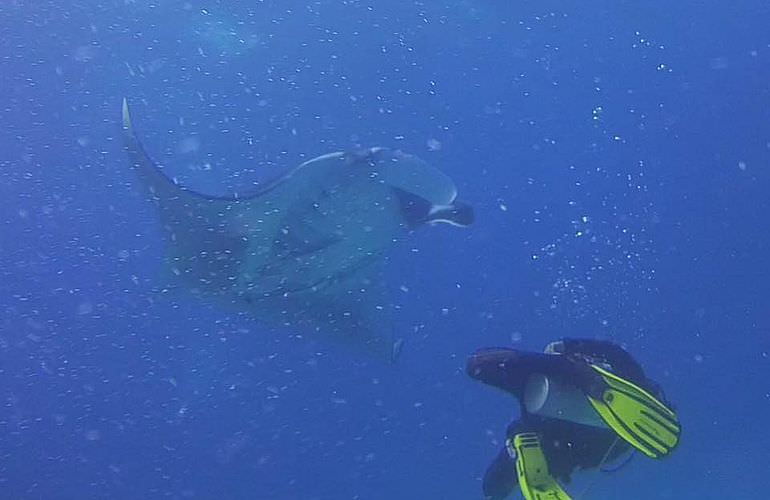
{"x":509,"y":369}
{"x":500,"y":478}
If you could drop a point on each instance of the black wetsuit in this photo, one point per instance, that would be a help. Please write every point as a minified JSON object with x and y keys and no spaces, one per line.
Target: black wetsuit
{"x":566,"y":445}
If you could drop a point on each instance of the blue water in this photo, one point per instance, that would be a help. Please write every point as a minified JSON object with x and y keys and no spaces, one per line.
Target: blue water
{"x":618,"y":157}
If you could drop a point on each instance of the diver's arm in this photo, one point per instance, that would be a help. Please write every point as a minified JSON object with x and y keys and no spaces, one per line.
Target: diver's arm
{"x":594,"y":347}
{"x":623,"y":364}
{"x":615,"y":355}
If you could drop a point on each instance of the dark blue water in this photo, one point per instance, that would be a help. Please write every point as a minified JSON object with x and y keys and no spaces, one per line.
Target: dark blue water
{"x":617,"y":154}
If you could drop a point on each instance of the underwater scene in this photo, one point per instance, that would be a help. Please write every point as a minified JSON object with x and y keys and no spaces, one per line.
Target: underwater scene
{"x":369,"y":249}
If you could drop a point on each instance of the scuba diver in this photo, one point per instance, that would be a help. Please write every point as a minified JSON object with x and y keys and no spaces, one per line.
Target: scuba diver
{"x":583,"y":403}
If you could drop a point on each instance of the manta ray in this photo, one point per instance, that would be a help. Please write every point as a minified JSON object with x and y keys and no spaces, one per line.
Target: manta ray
{"x":305,"y":250}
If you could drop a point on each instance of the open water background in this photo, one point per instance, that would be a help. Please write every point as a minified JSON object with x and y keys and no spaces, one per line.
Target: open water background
{"x":617,"y":154}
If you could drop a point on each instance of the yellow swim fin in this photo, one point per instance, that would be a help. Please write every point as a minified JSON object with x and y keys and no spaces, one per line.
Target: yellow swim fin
{"x":535,"y":481}
{"x":636,"y":416}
